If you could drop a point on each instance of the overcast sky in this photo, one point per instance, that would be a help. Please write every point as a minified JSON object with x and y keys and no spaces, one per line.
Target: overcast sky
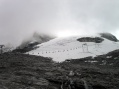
{"x":20,"y":18}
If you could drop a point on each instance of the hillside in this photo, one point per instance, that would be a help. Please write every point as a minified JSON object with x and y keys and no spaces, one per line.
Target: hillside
{"x":22,"y":71}
{"x":61,"y":49}
{"x":85,"y":62}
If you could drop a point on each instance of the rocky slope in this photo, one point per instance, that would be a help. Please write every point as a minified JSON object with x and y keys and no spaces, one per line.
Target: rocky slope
{"x":22,"y":71}
{"x":109,"y":36}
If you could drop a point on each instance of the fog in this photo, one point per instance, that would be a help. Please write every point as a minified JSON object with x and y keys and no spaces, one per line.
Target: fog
{"x":19,"y":19}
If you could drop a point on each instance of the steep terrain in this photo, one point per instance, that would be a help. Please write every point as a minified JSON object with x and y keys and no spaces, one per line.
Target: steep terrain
{"x":61,"y":49}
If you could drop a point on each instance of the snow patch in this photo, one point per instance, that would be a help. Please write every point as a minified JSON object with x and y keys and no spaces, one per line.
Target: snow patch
{"x":61,"y":49}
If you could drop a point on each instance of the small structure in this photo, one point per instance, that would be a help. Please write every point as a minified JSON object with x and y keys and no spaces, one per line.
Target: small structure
{"x":85,"y":46}
{"x":1,"y":48}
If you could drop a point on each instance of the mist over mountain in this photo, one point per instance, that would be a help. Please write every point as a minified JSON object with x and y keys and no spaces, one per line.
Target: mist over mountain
{"x":31,"y":42}
{"x":59,"y":44}
{"x":36,"y":37}
{"x":19,"y":19}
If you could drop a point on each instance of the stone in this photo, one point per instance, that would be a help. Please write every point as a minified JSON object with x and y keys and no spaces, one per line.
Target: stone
{"x":41,"y":82}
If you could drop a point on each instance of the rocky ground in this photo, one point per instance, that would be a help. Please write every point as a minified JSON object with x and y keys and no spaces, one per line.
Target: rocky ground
{"x":23,"y":71}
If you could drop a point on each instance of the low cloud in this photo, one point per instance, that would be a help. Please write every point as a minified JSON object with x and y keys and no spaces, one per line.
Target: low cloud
{"x":19,"y":19}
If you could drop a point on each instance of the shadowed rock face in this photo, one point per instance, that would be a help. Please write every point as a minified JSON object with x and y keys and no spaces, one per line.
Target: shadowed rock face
{"x":109,"y":36}
{"x":91,"y":39}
